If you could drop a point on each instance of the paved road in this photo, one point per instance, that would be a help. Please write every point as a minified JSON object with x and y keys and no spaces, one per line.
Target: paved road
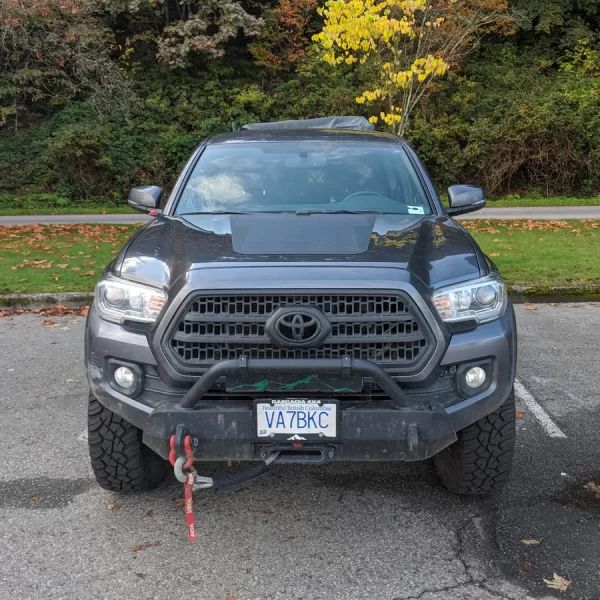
{"x":549,"y":213}
{"x":341,"y":532}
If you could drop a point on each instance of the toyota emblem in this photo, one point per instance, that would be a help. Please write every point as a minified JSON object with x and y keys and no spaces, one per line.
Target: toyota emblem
{"x":298,"y":326}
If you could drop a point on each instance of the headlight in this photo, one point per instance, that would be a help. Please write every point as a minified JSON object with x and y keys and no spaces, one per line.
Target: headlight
{"x":118,"y":300}
{"x":481,"y":300}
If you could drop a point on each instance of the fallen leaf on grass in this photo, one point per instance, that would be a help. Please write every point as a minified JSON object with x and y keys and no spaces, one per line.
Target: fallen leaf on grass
{"x":145,"y":546}
{"x":63,"y":265}
{"x":557,"y":583}
{"x":494,"y":254}
{"x":76,"y":269}
{"x":520,"y":414}
{"x":593,"y":487}
{"x":88,"y":273}
{"x":530,"y":542}
{"x":114,"y":506}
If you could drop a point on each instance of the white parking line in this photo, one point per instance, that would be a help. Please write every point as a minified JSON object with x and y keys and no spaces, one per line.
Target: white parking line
{"x":548,"y":425}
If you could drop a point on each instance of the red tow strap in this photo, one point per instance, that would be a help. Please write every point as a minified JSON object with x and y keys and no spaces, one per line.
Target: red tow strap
{"x":188,"y":505}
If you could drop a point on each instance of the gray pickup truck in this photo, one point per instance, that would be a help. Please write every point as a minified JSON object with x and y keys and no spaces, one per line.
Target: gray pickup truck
{"x":303,"y":297}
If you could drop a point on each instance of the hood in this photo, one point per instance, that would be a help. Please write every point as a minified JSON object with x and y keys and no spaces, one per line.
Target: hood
{"x":435,"y":249}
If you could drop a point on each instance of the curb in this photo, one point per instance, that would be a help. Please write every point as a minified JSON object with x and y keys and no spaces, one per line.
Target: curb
{"x":560,"y":293}
{"x":32,"y":301}
{"x":518,"y":294}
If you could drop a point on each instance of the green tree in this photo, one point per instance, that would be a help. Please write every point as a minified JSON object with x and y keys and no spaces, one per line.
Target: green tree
{"x":53,"y":52}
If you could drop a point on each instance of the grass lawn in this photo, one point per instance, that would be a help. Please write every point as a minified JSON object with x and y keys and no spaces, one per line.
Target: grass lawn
{"x":542,"y":253}
{"x":70,"y":258}
{"x":57,"y":258}
{"x":86,"y":209}
{"x":511,"y":201}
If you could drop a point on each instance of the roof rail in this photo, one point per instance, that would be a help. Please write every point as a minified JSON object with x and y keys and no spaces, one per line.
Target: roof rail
{"x":359,"y":123}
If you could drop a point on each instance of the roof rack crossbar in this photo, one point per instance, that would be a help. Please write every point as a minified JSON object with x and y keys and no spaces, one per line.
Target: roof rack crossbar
{"x":358,"y":123}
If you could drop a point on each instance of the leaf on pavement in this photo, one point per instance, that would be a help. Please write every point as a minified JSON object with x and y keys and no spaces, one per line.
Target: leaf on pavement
{"x":35,"y":499}
{"x":49,"y":323}
{"x":58,"y":311}
{"x":520,"y":414}
{"x":557,"y":583}
{"x":180,"y":501}
{"x":525,"y":568}
{"x":593,"y":487}
{"x":530,"y":542}
{"x":113,"y":506}
{"x":83,"y":311}
{"x":145,"y":546}
{"x":530,"y":307}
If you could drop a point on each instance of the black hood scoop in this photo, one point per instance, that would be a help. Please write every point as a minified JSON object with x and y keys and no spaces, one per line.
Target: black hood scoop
{"x":281,"y":234}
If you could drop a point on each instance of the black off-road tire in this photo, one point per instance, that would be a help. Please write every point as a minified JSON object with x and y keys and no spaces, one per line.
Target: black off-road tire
{"x":120,"y":461}
{"x":480,"y":461}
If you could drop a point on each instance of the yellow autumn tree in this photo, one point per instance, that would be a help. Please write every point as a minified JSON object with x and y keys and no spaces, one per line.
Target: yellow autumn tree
{"x":409,"y":42}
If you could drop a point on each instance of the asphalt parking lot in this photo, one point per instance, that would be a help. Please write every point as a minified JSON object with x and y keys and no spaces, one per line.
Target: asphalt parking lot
{"x":344,"y":531}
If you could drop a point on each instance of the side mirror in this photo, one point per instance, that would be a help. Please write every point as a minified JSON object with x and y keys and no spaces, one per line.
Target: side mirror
{"x":465,"y":199}
{"x":145,"y":198}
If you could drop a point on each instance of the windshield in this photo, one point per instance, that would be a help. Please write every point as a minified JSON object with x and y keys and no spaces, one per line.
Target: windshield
{"x":311,"y":177}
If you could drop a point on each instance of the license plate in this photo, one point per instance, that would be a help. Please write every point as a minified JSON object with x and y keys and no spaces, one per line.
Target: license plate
{"x":297,"y":419}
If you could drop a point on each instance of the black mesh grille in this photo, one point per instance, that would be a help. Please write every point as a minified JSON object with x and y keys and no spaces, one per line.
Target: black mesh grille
{"x":380,"y":328}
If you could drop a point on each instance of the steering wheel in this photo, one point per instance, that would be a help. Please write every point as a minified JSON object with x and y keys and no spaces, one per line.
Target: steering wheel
{"x":364,"y":193}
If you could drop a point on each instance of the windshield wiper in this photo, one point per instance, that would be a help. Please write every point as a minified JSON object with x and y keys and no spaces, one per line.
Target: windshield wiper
{"x":217,"y":212}
{"x":339,"y":212}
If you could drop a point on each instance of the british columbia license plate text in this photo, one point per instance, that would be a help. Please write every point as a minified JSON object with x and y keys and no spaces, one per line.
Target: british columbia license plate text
{"x":297,"y":418}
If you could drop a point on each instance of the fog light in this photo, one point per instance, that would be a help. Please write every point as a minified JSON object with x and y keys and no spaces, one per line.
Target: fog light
{"x":124,"y":377}
{"x":475,"y":377}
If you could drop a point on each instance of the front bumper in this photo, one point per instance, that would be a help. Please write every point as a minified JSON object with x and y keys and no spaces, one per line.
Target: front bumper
{"x":413,"y":424}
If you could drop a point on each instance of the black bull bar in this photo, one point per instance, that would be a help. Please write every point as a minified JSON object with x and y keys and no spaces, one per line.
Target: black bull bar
{"x":405,"y":429}
{"x":331,"y":366}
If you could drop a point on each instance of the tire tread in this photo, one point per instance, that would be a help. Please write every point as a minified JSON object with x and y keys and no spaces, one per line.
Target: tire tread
{"x":120,"y":461}
{"x":480,"y":461}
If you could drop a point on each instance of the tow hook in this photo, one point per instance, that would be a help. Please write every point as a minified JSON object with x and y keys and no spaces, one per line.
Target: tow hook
{"x":185,"y":473}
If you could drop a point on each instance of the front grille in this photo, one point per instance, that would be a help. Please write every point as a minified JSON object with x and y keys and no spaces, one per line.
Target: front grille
{"x":381,"y":328}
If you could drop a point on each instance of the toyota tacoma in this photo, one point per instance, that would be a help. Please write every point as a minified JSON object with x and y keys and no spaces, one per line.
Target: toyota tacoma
{"x":302,"y":297}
